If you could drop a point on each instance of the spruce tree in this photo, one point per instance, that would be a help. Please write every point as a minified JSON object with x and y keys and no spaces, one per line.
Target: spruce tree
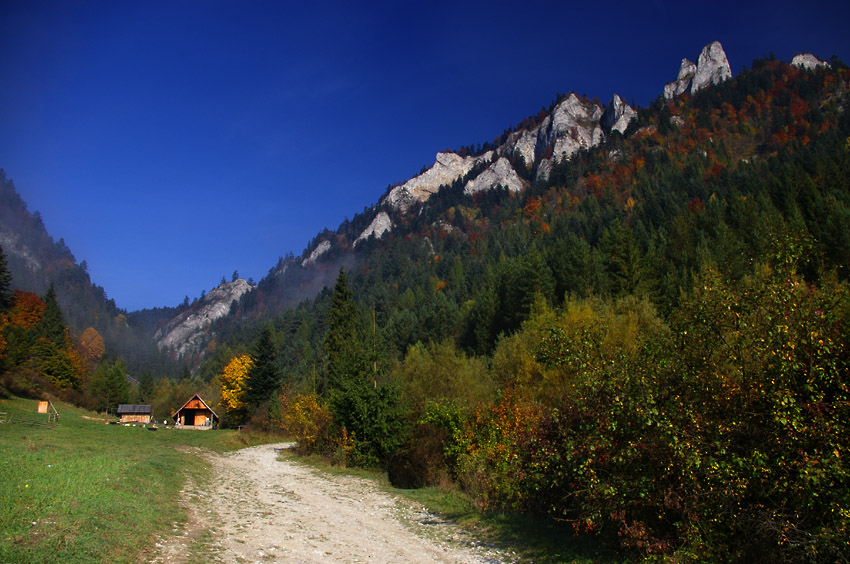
{"x":344,"y":357}
{"x":52,"y":325}
{"x":264,"y":376}
{"x":109,"y":385}
{"x":369,"y":411}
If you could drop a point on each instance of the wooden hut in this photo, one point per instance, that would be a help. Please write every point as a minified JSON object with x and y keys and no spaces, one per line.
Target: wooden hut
{"x":129,"y":413}
{"x":195,"y":413}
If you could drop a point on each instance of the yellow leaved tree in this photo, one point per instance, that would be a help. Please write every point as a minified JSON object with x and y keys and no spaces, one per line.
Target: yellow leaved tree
{"x":233,"y":386}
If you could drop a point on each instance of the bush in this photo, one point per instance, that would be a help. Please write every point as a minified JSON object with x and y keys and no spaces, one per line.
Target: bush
{"x":420,"y":462}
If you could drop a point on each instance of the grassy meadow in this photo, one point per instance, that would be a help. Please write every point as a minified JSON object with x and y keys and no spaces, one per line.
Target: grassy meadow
{"x":84,"y":491}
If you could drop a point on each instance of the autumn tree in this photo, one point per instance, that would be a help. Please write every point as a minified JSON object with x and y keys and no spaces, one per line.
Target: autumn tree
{"x":234,"y":387}
{"x":92,"y":344}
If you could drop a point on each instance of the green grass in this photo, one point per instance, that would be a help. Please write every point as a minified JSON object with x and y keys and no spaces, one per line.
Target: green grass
{"x":530,"y":539}
{"x":84,"y":491}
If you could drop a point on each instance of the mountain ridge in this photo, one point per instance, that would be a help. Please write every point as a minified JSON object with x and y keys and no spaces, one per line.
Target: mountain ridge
{"x":524,"y":156}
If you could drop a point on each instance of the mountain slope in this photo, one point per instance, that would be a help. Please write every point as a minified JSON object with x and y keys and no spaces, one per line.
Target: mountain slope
{"x":36,"y":262}
{"x":639,"y":212}
{"x":519,"y":158}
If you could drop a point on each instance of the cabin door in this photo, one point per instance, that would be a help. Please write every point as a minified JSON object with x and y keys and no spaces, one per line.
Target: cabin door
{"x":200,"y":419}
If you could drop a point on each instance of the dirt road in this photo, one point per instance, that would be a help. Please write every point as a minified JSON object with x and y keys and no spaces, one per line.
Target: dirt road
{"x":261,"y":509}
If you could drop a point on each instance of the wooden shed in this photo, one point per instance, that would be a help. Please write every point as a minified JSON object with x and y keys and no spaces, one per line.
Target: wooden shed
{"x":129,"y":413}
{"x":195,"y":413}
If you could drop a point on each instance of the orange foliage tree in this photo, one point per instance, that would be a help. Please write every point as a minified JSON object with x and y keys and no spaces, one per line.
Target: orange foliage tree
{"x":92,"y":345}
{"x":26,"y":309}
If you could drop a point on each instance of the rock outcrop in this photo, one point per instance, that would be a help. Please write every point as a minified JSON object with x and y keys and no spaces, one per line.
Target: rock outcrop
{"x":687,"y":70}
{"x":617,"y":115}
{"x":500,"y":173}
{"x":320,"y":249}
{"x":808,"y":61}
{"x":447,"y":168}
{"x":712,"y":67}
{"x":574,"y":124}
{"x":185,"y":333}
{"x":380,"y":225}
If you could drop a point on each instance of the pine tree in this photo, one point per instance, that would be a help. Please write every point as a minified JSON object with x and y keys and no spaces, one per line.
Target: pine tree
{"x":264,"y":375}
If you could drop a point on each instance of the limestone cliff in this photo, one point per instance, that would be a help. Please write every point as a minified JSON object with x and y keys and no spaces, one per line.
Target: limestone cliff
{"x":447,"y":168}
{"x":500,"y":173}
{"x":185,"y":333}
{"x":712,"y":67}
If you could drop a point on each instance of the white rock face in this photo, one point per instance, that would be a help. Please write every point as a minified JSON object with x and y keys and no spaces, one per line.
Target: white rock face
{"x":808,"y":61}
{"x":577,"y":120}
{"x":320,"y":249}
{"x":380,"y":225}
{"x":499,"y":173}
{"x":523,"y":143}
{"x":447,"y":168}
{"x":617,"y":115}
{"x":184,"y":333}
{"x":687,"y":70}
{"x":544,"y":169}
{"x":573,"y":125}
{"x":712,"y":67}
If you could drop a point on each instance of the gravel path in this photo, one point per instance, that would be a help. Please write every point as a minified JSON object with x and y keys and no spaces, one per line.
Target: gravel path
{"x":261,"y":509}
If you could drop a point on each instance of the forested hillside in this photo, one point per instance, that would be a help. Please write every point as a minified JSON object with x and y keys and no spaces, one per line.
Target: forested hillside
{"x":647,"y":342}
{"x":649,"y":345}
{"x":36,"y":262}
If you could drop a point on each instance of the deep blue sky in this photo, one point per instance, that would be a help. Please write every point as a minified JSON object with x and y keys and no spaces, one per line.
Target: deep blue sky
{"x":172,"y":142}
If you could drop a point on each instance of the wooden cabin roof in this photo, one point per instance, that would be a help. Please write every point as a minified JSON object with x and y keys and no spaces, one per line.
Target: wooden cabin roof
{"x":131,"y":409}
{"x":196,"y":402}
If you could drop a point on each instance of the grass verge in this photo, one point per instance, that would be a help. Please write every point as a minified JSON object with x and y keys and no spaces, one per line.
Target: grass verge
{"x":84,"y":491}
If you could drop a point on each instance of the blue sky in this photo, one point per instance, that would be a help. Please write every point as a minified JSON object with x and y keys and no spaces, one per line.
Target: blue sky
{"x":173,"y":142}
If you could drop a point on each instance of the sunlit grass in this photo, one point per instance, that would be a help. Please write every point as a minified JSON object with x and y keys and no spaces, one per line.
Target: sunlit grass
{"x":84,"y":491}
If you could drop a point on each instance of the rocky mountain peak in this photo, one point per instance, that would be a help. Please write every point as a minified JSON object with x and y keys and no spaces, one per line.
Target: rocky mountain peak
{"x":617,"y":115}
{"x":711,"y":67}
{"x":687,"y":70}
